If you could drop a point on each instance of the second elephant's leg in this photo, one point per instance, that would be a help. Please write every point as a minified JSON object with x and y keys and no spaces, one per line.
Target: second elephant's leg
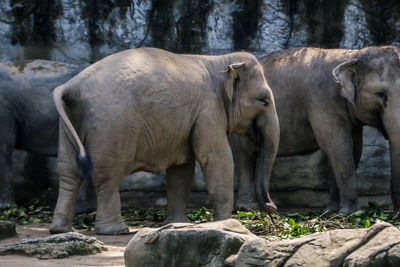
{"x":86,"y":201}
{"x":334,"y":137}
{"x":8,"y":134}
{"x":7,"y":198}
{"x":244,"y":154}
{"x":334,"y":198}
{"x":179,"y":183}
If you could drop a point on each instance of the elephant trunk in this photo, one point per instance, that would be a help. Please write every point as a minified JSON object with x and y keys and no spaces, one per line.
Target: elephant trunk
{"x":394,"y":143}
{"x":267,"y":125}
{"x":391,"y":124}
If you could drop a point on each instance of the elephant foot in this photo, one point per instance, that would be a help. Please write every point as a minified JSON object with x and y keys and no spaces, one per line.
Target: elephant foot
{"x":221,"y":217}
{"x":331,"y":209}
{"x":117,"y":228}
{"x":247,"y":205}
{"x":60,"y":225}
{"x":348,"y":210}
{"x":176,"y":219}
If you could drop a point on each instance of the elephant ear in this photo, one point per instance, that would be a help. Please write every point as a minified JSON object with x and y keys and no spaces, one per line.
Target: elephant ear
{"x":233,"y":79}
{"x":344,"y":76}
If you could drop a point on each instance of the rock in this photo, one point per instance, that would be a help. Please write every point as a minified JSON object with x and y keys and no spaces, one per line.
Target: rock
{"x":7,"y":229}
{"x":378,"y":245}
{"x":55,"y":246}
{"x":185,"y":244}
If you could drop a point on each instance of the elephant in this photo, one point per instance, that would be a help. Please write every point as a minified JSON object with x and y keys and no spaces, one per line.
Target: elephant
{"x":324,"y":97}
{"x":28,"y":117}
{"x":147,"y":109}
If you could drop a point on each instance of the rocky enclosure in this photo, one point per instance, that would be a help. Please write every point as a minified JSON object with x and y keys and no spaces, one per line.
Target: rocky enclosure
{"x":228,"y":243}
{"x":83,"y":31}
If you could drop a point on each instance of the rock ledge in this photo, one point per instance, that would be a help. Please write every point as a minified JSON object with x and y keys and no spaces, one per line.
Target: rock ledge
{"x":55,"y":246}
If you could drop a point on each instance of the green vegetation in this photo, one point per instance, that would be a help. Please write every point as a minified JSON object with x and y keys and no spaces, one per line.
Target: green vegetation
{"x":286,"y":226}
{"x":293,"y":225}
{"x":35,"y":212}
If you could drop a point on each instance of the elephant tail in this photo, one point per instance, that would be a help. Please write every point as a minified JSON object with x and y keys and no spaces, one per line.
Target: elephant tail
{"x":83,"y":157}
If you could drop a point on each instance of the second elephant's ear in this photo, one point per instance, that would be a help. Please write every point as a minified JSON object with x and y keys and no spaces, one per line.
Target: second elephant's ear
{"x":344,"y":76}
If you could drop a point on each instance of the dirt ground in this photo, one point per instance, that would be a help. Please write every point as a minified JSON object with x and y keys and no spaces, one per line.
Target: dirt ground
{"x":114,"y":256}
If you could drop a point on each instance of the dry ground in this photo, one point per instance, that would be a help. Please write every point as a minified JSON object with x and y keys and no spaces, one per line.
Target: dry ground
{"x":114,"y":256}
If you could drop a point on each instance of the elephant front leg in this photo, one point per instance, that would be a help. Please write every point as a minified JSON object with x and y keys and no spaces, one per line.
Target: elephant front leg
{"x":179,"y":183}
{"x":337,"y":142}
{"x":244,"y":154}
{"x":217,"y":166}
{"x":334,"y":197}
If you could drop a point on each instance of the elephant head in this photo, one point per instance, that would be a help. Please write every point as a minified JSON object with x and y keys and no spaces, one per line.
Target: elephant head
{"x":370,"y":83}
{"x":251,"y":98}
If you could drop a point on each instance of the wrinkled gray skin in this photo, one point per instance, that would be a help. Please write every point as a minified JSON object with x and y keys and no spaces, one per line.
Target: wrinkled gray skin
{"x":323,"y":99}
{"x":28,"y":117}
{"x":151,"y":110}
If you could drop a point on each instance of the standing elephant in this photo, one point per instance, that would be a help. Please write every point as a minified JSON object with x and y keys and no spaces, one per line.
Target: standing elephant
{"x":28,"y":117}
{"x":147,"y":109}
{"x":324,"y":97}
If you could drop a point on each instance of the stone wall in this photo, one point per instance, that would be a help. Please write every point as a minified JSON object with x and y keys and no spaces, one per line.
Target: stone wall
{"x":83,"y":31}
{"x":296,"y":182}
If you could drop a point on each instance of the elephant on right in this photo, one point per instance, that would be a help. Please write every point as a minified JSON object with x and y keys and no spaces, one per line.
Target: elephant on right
{"x":323,"y":98}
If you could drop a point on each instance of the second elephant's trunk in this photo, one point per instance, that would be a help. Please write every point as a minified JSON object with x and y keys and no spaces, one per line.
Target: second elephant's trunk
{"x":392,"y":127}
{"x":395,"y":166}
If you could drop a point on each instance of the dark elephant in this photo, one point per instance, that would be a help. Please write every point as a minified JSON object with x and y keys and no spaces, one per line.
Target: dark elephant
{"x":28,"y":117}
{"x":150,"y":110}
{"x":324,"y":97}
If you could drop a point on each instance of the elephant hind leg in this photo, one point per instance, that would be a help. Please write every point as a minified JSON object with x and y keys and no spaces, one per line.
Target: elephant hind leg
{"x":108,"y":217}
{"x":179,"y":183}
{"x":86,"y":201}
{"x":64,"y":211}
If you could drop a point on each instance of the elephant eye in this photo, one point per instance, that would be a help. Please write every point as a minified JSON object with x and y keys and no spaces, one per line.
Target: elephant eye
{"x":383,"y":96}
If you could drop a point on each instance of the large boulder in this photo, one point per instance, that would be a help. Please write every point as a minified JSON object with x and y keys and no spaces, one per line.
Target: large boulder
{"x":185,"y":244}
{"x":7,"y":229}
{"x":376,"y":246}
{"x":228,"y":243}
{"x":55,"y":246}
